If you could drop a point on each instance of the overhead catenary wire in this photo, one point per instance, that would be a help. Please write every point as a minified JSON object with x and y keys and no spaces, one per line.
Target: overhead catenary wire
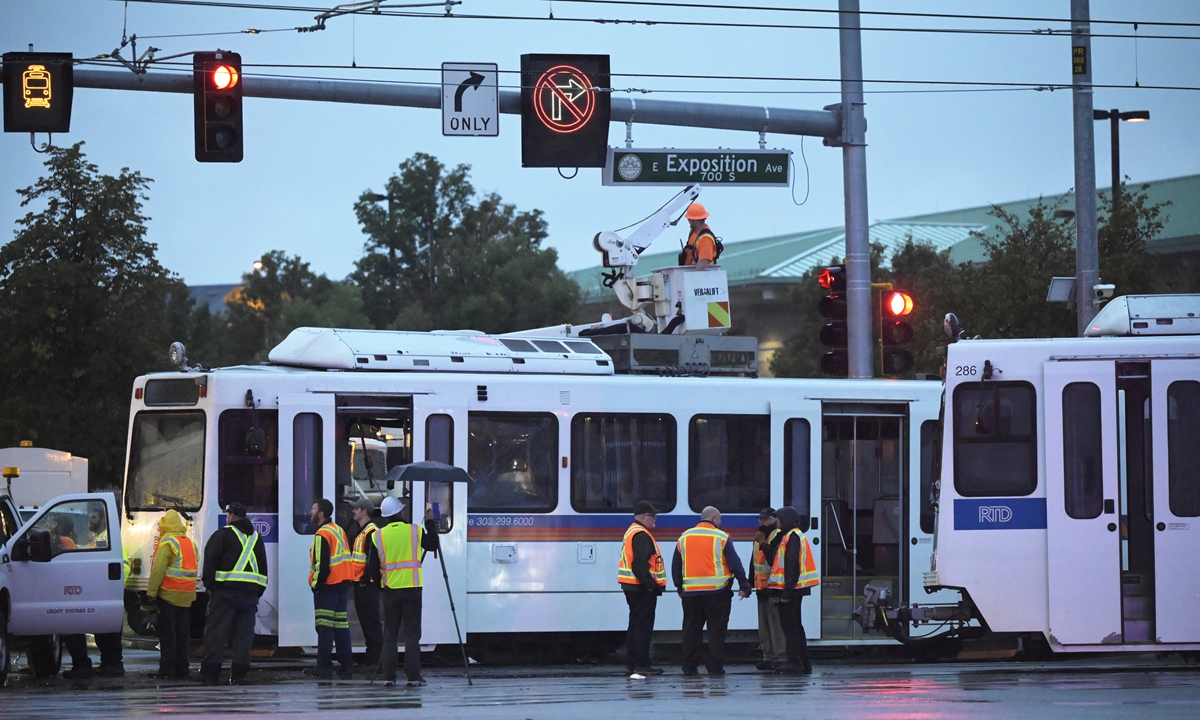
{"x":1036,"y":32}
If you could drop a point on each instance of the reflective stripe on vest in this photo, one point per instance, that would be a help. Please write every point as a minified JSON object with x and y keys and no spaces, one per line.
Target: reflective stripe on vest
{"x":808,"y":565}
{"x":702,"y":550}
{"x":399,"y":563}
{"x":759,"y":565}
{"x":340,"y":569}
{"x":625,"y":567}
{"x":181,"y":573}
{"x":246,"y":567}
{"x":358,"y":556}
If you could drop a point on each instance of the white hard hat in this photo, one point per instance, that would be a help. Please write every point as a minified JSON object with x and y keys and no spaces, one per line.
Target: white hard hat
{"x":391,"y":506}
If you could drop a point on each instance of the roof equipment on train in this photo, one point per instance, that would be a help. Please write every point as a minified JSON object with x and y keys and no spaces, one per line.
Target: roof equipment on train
{"x":446,"y":351}
{"x":1148,"y":315}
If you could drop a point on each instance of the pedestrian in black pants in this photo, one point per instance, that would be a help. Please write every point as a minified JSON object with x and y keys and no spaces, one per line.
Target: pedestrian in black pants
{"x":235,"y":574}
{"x":366,"y":586}
{"x":642,"y":576}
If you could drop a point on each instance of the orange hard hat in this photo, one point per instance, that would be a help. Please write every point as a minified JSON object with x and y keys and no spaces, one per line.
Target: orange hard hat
{"x":696,"y":211}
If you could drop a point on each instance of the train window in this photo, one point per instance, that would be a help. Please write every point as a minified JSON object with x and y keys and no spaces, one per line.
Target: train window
{"x":995,"y":441}
{"x":928,"y":430}
{"x":166,"y":461}
{"x":512,"y":458}
{"x":550,"y":346}
{"x":797,"y":483}
{"x":439,"y":447}
{"x":729,"y":462}
{"x":307,"y":469}
{"x":518,"y":345}
{"x":617,"y":460}
{"x":583,"y":347}
{"x":1083,"y":485}
{"x":248,"y":451}
{"x":1183,"y":448}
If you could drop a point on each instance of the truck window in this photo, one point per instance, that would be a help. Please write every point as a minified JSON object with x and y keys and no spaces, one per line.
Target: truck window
{"x":76,"y":525}
{"x":995,"y":440}
{"x":166,"y":461}
{"x":8,"y":522}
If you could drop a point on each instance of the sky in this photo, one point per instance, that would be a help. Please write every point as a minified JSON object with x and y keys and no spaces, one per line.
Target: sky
{"x":306,"y":163}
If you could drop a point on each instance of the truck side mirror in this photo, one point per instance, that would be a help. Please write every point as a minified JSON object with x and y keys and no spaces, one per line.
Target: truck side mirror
{"x":34,"y":546}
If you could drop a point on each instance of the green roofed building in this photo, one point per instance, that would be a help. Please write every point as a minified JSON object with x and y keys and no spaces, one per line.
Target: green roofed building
{"x":761,"y":272}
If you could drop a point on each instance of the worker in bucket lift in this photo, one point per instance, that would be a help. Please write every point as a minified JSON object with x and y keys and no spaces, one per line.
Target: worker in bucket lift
{"x":701,"y":248}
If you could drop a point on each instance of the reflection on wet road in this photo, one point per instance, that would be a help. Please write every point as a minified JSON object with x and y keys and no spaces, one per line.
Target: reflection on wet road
{"x":835,"y":690}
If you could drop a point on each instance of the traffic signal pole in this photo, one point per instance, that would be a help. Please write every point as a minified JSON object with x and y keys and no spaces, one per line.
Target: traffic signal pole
{"x":752,"y":118}
{"x":854,"y":182}
{"x":1087,"y":252}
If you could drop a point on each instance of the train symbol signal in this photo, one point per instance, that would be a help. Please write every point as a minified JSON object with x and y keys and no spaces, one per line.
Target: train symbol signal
{"x":566,"y":105}
{"x":38,"y":89}
{"x":563,"y":99}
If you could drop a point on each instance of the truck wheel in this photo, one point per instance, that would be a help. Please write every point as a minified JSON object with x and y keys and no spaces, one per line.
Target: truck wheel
{"x":3,"y":647}
{"x":45,"y":655}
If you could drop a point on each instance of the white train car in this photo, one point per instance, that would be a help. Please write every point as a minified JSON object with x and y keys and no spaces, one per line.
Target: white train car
{"x":1069,"y":499}
{"x":560,"y":448}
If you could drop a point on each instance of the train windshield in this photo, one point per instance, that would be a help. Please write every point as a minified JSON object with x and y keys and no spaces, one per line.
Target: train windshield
{"x":166,"y":461}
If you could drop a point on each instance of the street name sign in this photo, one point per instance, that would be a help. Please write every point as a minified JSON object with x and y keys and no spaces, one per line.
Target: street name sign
{"x":668,"y":166}
{"x":470,"y":99}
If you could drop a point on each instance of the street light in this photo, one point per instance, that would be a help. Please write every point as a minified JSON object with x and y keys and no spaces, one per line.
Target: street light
{"x":1116,"y":116}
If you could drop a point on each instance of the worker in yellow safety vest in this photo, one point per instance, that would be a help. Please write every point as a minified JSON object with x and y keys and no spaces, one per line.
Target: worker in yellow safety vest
{"x":330,"y":577}
{"x":235,"y":576}
{"x":770,"y":632}
{"x":643,"y":577}
{"x":703,"y":569}
{"x":793,"y":573}
{"x":398,"y":546}
{"x":366,"y":584}
{"x":173,"y":585}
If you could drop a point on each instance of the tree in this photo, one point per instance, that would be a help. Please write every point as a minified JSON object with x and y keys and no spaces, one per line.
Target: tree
{"x":83,"y":312}
{"x":280,"y":295}
{"x":438,"y":257}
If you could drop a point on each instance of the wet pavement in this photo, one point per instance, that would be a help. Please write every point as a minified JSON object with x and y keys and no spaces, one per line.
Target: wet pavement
{"x":1110,"y":686}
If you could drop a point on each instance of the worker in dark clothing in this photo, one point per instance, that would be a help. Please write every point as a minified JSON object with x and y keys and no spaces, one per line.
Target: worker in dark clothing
{"x":643,"y":577}
{"x":399,"y":545}
{"x":793,"y":573}
{"x":109,"y":644}
{"x":366,"y":585}
{"x":704,"y":568}
{"x":235,"y":574}
{"x":330,"y":577}
{"x":770,"y":632}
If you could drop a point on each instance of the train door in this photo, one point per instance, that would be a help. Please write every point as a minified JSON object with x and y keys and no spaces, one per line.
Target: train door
{"x":797,"y":460}
{"x":863,"y":495}
{"x":440,"y":433}
{"x":1175,"y":417}
{"x":920,"y":515}
{"x":306,"y":474}
{"x":1083,"y":550}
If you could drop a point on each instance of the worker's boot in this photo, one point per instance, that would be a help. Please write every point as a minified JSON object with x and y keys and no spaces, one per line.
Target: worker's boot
{"x":239,"y":674}
{"x":210,"y":674}
{"x":81,"y":671}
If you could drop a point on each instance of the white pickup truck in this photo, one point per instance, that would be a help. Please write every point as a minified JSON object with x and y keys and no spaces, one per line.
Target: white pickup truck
{"x":61,"y":572}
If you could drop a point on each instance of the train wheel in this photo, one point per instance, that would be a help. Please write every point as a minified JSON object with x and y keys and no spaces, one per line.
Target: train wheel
{"x":45,"y":655}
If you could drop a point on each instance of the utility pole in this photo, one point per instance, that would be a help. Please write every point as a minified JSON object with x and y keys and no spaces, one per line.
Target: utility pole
{"x":854,"y":184}
{"x":1087,"y":253}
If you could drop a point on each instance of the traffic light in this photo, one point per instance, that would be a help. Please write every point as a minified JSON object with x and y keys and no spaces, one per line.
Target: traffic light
{"x":894,"y":331}
{"x":38,"y":89}
{"x":834,"y":334}
{"x":217,"y":101}
{"x":566,"y":104}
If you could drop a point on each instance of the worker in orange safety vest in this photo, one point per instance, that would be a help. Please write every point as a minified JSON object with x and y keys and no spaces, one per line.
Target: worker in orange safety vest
{"x":701,"y":248}
{"x":704,"y":568}
{"x":643,"y":578}
{"x":793,"y":573}
{"x":330,"y":578}
{"x":173,"y":585}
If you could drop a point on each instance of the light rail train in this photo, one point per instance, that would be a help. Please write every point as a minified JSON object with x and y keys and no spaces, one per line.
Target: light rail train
{"x":560,"y":448}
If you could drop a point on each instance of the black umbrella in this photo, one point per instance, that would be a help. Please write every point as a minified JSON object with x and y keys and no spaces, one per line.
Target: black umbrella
{"x":430,"y":471}
{"x":426,"y":471}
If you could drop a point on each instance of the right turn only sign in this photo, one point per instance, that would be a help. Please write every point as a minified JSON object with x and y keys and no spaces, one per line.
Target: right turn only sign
{"x":470,"y":101}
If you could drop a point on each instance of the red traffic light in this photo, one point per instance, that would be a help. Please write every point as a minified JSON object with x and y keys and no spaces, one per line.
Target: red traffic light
{"x":897,"y":304}
{"x":224,"y":77}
